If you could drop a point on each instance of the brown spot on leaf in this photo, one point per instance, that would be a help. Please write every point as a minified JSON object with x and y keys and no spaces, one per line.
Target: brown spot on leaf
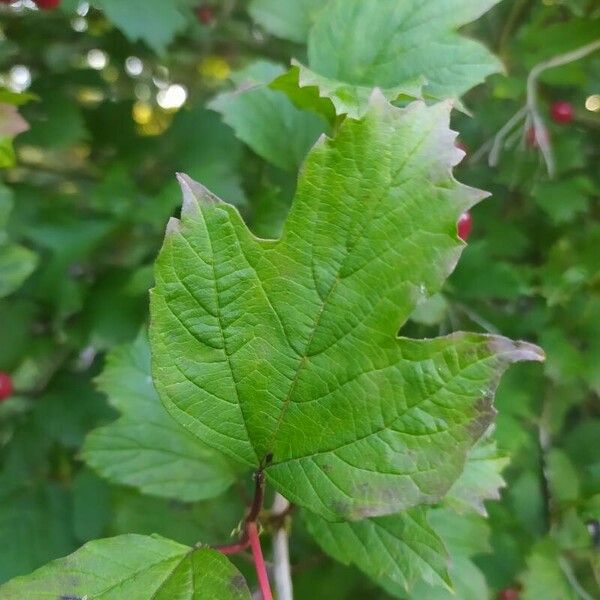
{"x":237,"y":583}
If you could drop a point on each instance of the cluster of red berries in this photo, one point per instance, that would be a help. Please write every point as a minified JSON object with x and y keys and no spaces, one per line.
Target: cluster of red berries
{"x":6,"y":386}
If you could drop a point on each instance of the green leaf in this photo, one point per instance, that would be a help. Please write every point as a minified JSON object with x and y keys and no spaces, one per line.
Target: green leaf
{"x":399,"y":47}
{"x":463,"y":536}
{"x":544,"y":577}
{"x":91,"y":505}
{"x":481,"y":480}
{"x":266,"y":119}
{"x":136,"y":567}
{"x":35,"y":527}
{"x":326,"y":95}
{"x":7,"y":153}
{"x":208,"y":520}
{"x":467,"y":580}
{"x":56,"y":122}
{"x":564,"y":200}
{"x":396,"y":551}
{"x":153,"y":21}
{"x":6,"y":206}
{"x":284,"y":353}
{"x":146,"y":448}
{"x":288,"y":19}
{"x":402,"y":549}
{"x":69,"y":408}
{"x":17,"y":263}
{"x":562,"y":477}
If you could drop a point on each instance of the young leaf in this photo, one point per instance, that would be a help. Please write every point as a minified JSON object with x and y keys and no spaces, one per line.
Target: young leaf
{"x":397,"y":550}
{"x":136,"y":567}
{"x":146,"y":448}
{"x":356,"y":45}
{"x":284,"y":353}
{"x":266,"y":120}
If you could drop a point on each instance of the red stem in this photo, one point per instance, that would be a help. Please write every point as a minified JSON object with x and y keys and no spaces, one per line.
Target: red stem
{"x":240,"y":546}
{"x":250,"y":537}
{"x":259,"y":561}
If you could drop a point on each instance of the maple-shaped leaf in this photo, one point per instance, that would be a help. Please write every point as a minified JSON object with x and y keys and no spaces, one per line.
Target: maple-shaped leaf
{"x":405,"y":48}
{"x":146,"y":448}
{"x":289,"y":132}
{"x":396,"y":550}
{"x":136,"y":567}
{"x":400,"y":550}
{"x":284,"y":353}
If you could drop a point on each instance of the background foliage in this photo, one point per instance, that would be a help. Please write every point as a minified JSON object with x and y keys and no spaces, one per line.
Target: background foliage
{"x":88,"y":188}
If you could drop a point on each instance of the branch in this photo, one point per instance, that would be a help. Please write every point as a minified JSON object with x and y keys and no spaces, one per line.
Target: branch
{"x":281,"y":555}
{"x":530,"y":113}
{"x":570,"y":575}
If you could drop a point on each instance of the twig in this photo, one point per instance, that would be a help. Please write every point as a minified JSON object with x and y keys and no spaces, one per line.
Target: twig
{"x":530,"y":113}
{"x":545,"y":444}
{"x":281,"y":555}
{"x":568,"y":572}
{"x":477,"y":318}
{"x":251,"y":517}
{"x":501,"y":135}
{"x":513,"y":17}
{"x":543,"y":139}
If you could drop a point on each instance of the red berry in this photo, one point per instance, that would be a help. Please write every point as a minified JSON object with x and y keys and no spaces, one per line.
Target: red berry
{"x":464,"y":226}
{"x":562,"y":112}
{"x":205,"y":14}
{"x":509,"y":594}
{"x":6,"y":385}
{"x":47,"y":4}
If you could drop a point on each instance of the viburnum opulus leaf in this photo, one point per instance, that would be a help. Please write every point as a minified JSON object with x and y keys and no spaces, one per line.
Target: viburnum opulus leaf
{"x":409,"y":48}
{"x":285,"y":353}
{"x":146,"y":448}
{"x":136,"y":567}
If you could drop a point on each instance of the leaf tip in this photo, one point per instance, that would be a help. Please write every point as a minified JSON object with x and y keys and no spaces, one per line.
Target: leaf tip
{"x":193,"y":193}
{"x":377,"y":98}
{"x":517,"y":350}
{"x":173,"y":226}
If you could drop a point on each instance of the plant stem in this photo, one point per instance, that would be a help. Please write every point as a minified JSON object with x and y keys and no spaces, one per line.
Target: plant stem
{"x":250,"y":536}
{"x":281,"y":554}
{"x":259,"y":561}
{"x":236,"y":548}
